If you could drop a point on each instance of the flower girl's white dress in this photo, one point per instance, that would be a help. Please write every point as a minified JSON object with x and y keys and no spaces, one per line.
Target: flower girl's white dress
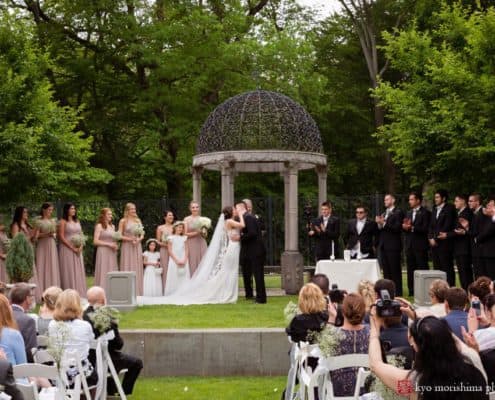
{"x":152,"y":277}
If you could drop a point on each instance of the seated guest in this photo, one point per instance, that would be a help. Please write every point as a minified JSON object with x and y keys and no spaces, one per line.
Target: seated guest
{"x":485,"y":338}
{"x":439,"y":362}
{"x":355,"y":339}
{"x":367,"y":291}
{"x":96,"y":298}
{"x":7,"y":378}
{"x":48,"y":300}
{"x":11,"y":340}
{"x":22,"y":300}
{"x":321,"y":280}
{"x":455,"y":304}
{"x":480,"y":288}
{"x":393,"y":333}
{"x":437,"y":292}
{"x":67,"y":329}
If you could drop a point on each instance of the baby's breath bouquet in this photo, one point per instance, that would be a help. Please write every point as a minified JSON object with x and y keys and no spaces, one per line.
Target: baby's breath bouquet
{"x":380,"y":388}
{"x":290,"y":311}
{"x":57,"y":343}
{"x":138,"y":230}
{"x":165,"y":236}
{"x":203,"y":224}
{"x":328,"y":340}
{"x":46,"y":225}
{"x":103,"y":317}
{"x":78,"y":240}
{"x":117,"y":236}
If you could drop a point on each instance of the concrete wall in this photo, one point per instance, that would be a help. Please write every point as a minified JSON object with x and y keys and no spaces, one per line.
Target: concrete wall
{"x":209,"y":352}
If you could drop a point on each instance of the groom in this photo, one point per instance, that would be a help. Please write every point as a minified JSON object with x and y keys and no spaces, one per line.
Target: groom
{"x":252,"y":257}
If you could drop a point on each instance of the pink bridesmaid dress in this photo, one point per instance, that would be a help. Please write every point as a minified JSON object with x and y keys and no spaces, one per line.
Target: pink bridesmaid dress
{"x":72,"y":274}
{"x":106,"y":258}
{"x":131,"y":258}
{"x":47,"y":267}
{"x":196,"y":246}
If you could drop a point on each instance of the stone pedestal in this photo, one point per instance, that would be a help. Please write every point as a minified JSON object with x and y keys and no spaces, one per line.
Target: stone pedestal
{"x":292,"y":265}
{"x":121,"y":290}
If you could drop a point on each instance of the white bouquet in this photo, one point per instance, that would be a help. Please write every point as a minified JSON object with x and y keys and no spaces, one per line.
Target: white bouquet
{"x":117,"y":237}
{"x":181,"y":270}
{"x":290,"y":311}
{"x":328,"y":340}
{"x":165,"y":237}
{"x":138,"y":230}
{"x":203,"y":224}
{"x":6,"y":244}
{"x":78,"y":240}
{"x":46,"y":225}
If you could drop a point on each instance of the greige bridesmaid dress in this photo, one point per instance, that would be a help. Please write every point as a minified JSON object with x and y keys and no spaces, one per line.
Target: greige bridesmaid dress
{"x":3,"y":271}
{"x":72,"y":274}
{"x":131,"y":258}
{"x":47,"y":267}
{"x":164,"y":262}
{"x":106,"y":258}
{"x":196,"y":246}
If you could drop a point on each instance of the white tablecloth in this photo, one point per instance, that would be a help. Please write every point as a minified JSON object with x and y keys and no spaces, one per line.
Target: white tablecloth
{"x":348,"y":274}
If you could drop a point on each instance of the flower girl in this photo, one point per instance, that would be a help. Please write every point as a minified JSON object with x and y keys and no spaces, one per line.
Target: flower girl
{"x":178,"y":267}
{"x":152,"y":271}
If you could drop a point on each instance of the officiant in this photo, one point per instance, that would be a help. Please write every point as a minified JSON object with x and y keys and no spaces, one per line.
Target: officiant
{"x":326,"y":232}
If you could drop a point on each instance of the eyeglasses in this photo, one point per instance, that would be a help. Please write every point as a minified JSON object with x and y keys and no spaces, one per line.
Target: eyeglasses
{"x":359,"y":212}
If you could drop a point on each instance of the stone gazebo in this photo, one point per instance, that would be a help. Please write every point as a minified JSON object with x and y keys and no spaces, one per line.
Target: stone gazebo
{"x":262,"y":131}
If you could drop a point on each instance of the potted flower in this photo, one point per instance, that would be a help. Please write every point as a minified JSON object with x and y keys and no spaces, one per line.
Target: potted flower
{"x":20,"y":260}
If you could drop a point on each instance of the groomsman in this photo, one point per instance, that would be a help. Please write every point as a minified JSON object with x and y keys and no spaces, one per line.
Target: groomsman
{"x":474,"y":203}
{"x":416,"y":227}
{"x":485,"y":239}
{"x":443,"y":218}
{"x":360,"y":235}
{"x":326,"y":231}
{"x":390,"y":242}
{"x":462,"y":242}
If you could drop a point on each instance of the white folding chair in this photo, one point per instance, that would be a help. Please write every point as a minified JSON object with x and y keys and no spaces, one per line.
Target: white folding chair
{"x":345,"y":361}
{"x":42,"y":340}
{"x":22,"y":371}
{"x":106,"y":368}
{"x":29,"y":390}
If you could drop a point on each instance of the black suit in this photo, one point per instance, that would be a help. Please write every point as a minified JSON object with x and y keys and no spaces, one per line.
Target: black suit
{"x":416,"y":243}
{"x":472,"y":232}
{"x":366,"y":238}
{"x":462,"y":249}
{"x":486,"y":242}
{"x":8,"y":382}
{"x":27,"y":327}
{"x":252,"y":258}
{"x":120,"y":360}
{"x":390,"y":247}
{"x":443,"y":253}
{"x":324,"y":238}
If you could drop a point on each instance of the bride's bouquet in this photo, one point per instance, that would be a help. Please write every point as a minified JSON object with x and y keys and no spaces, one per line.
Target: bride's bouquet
{"x":78,"y":240}
{"x":138,"y":230}
{"x":203,"y":224}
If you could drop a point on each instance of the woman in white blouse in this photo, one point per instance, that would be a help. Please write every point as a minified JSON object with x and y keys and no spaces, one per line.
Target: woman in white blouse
{"x":74,"y":335}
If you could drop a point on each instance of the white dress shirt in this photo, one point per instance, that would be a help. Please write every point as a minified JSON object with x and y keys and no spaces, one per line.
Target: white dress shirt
{"x":356,"y":250}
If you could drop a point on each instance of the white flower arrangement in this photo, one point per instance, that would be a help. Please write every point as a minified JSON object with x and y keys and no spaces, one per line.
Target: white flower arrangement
{"x":46,"y":225}
{"x":57,"y":343}
{"x":383,"y":390}
{"x":165,"y":237}
{"x":328,"y":340}
{"x":138,"y":230}
{"x":203,"y":224}
{"x":103,"y":317}
{"x":79,"y":240}
{"x":117,"y":236}
{"x":6,"y":244}
{"x":290,"y":311}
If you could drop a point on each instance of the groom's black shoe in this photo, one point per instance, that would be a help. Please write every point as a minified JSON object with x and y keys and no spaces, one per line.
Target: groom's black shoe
{"x":260,"y":301}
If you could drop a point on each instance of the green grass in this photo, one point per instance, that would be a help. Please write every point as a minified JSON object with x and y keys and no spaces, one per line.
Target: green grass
{"x":217,"y":388}
{"x":244,"y":314}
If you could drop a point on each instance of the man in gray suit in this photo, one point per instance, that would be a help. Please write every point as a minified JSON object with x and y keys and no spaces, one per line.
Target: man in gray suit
{"x":22,"y":300}
{"x":7,"y":378}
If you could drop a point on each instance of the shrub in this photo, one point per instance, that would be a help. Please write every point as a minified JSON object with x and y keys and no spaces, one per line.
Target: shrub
{"x":20,"y":259}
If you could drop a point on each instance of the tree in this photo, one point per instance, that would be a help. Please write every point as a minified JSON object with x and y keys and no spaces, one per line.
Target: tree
{"x":441,"y":127}
{"x":20,"y":259}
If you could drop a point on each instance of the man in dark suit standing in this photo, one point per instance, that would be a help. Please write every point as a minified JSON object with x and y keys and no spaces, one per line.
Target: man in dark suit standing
{"x":97,"y":298}
{"x":390,"y":242}
{"x":485,"y":239}
{"x":326,"y":231}
{"x":443,"y":218}
{"x":252,"y":256}
{"x":416,"y":226}
{"x":462,"y":243}
{"x":471,"y":229}
{"x":22,"y":301}
{"x":360,"y":235}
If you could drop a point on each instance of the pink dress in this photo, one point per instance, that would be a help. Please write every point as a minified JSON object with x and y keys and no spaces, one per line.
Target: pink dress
{"x":47,"y":267}
{"x":131,"y":258}
{"x":3,"y":271}
{"x":106,"y":258}
{"x":72,"y":274}
{"x":164,"y":260}
{"x":196,"y":246}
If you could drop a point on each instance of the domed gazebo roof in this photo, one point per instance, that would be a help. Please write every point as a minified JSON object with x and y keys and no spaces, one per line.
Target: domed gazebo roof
{"x":259,"y":120}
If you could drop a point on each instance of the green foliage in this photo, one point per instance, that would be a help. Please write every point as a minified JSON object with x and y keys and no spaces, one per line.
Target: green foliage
{"x":20,"y":259}
{"x":441,"y":127}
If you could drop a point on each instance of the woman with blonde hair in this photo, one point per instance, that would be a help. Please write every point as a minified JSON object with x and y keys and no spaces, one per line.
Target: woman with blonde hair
{"x":367,"y":291}
{"x":48,"y":301}
{"x":69,"y":331}
{"x":11,"y":341}
{"x":131,"y":253}
{"x":196,"y":243}
{"x":106,"y":247}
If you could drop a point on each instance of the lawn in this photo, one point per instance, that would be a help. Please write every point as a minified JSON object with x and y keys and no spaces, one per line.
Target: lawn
{"x":218,"y":388}
{"x":243,"y":314}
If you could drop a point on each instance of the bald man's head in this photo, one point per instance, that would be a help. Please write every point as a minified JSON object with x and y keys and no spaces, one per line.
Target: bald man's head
{"x":96,"y":296}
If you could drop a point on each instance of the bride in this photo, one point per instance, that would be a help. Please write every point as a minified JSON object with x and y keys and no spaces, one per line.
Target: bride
{"x":217,"y":277}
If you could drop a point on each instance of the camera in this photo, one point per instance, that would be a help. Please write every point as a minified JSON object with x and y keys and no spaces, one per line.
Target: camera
{"x":336,"y":295}
{"x":386,"y":307}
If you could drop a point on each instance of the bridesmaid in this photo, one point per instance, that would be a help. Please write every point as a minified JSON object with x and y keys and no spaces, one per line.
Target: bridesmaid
{"x":20,"y":224}
{"x":131,"y":253}
{"x":106,"y":247}
{"x":47,"y":267}
{"x":195,"y":242}
{"x":72,"y":274}
{"x":3,"y":253}
{"x":162,"y":232}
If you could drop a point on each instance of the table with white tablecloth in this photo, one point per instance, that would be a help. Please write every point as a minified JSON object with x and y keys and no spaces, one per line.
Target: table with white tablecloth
{"x":347,"y":274}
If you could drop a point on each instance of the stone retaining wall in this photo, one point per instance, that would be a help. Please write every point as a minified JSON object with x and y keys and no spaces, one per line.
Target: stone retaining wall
{"x":209,"y":352}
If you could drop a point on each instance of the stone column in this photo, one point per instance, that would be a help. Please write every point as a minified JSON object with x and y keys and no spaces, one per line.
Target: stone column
{"x":285,"y":176}
{"x":227,"y":172}
{"x":232,"y":184}
{"x":196,"y":173}
{"x":291,"y":261}
{"x":321,"y":171}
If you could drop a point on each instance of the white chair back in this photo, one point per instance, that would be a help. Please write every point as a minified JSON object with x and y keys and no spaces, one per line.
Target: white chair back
{"x":28,"y":390}
{"x":22,"y":371}
{"x":42,"y":340}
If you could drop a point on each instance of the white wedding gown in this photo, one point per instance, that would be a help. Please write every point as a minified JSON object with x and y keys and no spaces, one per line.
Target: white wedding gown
{"x":217,"y":277}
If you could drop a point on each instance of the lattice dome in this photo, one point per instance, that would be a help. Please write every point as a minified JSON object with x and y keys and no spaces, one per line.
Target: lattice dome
{"x":259,"y":120}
